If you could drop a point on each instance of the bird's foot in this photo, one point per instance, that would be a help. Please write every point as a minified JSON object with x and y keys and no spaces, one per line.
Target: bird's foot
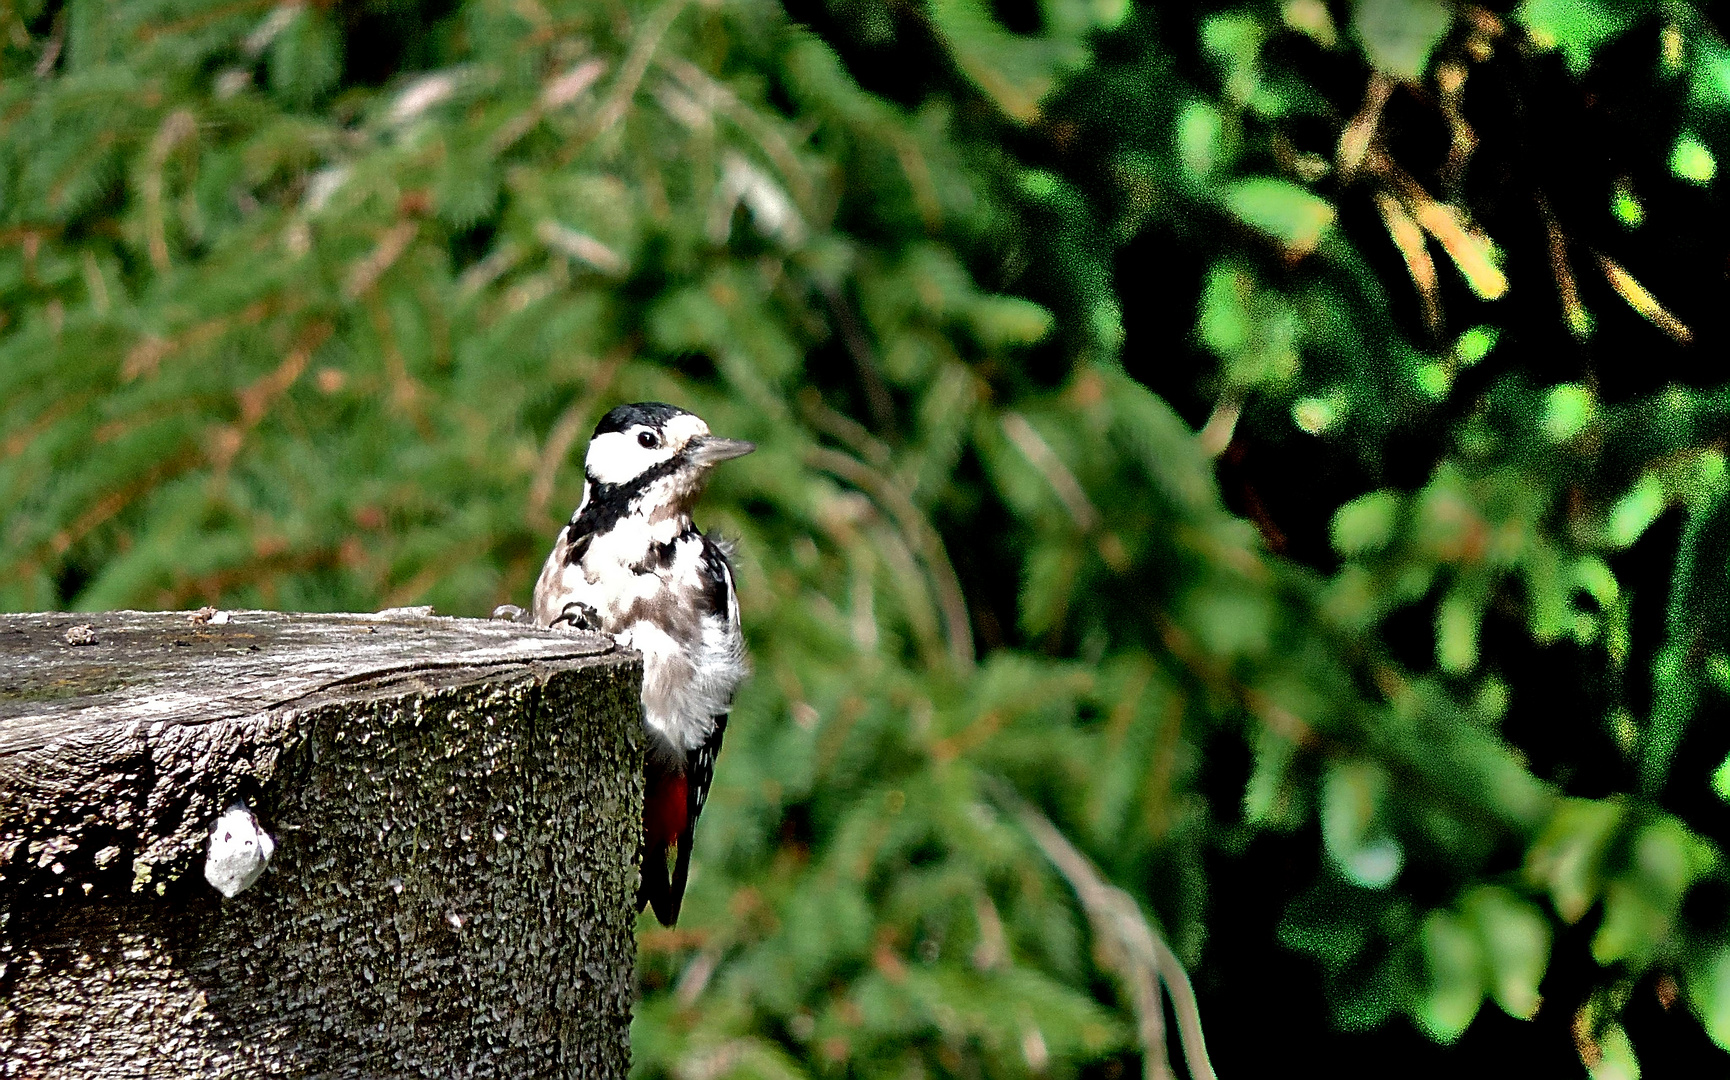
{"x":579,"y":616}
{"x":511,"y":612}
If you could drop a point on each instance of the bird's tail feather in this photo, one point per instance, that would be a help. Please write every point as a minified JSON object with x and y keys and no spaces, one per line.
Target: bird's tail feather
{"x":658,"y":889}
{"x":676,"y":887}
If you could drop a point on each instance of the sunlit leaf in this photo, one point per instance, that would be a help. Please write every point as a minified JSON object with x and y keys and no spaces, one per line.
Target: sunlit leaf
{"x":1457,"y":620}
{"x":1015,"y":71}
{"x":1473,"y":253}
{"x":1708,"y":987}
{"x":1568,"y":857}
{"x":1398,"y":35}
{"x":1292,"y":215}
{"x":1616,"y":1057}
{"x":1636,"y":511}
{"x":1475,"y":344}
{"x":1456,"y":984}
{"x":1594,"y":575}
{"x":1641,"y":903}
{"x":1200,"y":139}
{"x":1516,"y":943}
{"x":1692,"y":161}
{"x":1366,"y":523}
{"x":1638,"y":298}
{"x":1317,"y":414}
{"x":1625,"y":205}
{"x":1351,"y":807}
{"x":1568,"y":409}
{"x":1578,"y":27}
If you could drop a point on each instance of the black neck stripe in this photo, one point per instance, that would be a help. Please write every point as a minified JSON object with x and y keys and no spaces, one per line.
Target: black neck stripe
{"x":610,"y":502}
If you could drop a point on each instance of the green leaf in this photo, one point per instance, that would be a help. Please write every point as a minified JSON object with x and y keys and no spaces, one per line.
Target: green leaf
{"x":305,"y":57}
{"x":1200,"y":140}
{"x":1707,"y":984}
{"x":1516,"y":942}
{"x":1015,"y":71}
{"x":1433,"y":380}
{"x":1636,"y":511}
{"x":1721,"y":780}
{"x":1230,"y":621}
{"x":1625,"y":205}
{"x":1004,"y":321}
{"x":1351,"y":805}
{"x":1233,"y":40}
{"x":1269,"y":796}
{"x":1455,"y":959}
{"x":1616,"y":1058}
{"x":1594,"y":575}
{"x":1457,"y":619}
{"x":1579,"y":27}
{"x":1568,"y":856}
{"x":1568,"y":408}
{"x":1224,"y":322}
{"x":1692,"y":161}
{"x":1294,"y":216}
{"x":1641,"y":904}
{"x":1365,"y":524}
{"x":1254,"y":330}
{"x":1317,"y":414}
{"x":1701,"y":480}
{"x":1475,"y":344}
{"x":1398,"y":35}
{"x":1046,"y":585}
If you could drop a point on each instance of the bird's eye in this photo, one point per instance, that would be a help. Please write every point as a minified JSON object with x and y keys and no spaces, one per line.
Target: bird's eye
{"x":647,"y":440}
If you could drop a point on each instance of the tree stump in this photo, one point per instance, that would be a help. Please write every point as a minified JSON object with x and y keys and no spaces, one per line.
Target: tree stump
{"x":455,"y":806}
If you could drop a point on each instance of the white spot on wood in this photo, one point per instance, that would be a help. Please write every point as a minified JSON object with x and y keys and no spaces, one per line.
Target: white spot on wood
{"x":238,"y":852}
{"x":82,"y":634}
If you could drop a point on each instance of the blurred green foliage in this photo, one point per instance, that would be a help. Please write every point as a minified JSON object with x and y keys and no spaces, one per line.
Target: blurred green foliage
{"x":310,"y":306}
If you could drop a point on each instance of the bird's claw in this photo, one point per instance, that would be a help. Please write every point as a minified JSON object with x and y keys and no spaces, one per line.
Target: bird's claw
{"x":510,"y":612}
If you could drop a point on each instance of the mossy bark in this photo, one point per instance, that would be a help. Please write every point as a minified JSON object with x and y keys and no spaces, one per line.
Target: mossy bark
{"x":455,"y":805}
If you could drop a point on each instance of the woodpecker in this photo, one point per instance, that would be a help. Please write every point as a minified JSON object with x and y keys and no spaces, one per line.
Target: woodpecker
{"x":631,"y":563}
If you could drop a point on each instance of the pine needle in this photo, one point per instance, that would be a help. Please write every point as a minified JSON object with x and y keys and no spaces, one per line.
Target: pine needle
{"x":1641,"y":300}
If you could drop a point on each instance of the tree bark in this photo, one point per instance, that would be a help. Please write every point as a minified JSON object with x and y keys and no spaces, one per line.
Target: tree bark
{"x":455,"y":806}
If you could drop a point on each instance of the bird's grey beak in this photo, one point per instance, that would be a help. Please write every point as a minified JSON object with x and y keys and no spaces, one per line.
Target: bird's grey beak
{"x":708,"y":450}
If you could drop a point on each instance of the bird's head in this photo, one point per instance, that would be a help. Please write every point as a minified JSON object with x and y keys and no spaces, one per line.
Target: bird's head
{"x":657,"y":455}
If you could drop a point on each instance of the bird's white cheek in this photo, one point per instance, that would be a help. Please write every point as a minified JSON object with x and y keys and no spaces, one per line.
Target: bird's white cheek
{"x":615,"y":457}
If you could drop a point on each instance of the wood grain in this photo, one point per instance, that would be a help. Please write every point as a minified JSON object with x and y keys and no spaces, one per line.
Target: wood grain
{"x":455,"y":804}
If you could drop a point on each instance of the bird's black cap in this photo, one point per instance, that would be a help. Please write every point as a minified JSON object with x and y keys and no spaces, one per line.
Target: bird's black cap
{"x":647,"y":413}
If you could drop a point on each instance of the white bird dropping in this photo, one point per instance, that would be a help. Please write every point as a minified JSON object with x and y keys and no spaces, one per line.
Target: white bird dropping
{"x":238,"y":851}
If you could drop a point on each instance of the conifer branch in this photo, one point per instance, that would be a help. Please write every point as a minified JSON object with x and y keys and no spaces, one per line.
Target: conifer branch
{"x":568,"y":428}
{"x":716,"y":95}
{"x":1128,"y":942}
{"x":921,"y":536}
{"x":635,"y":66}
{"x":1042,"y":457}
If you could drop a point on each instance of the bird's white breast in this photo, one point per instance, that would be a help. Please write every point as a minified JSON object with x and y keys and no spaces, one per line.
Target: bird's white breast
{"x":692,"y":661}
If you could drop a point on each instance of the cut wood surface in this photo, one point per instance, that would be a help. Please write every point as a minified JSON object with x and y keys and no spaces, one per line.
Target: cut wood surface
{"x":455,"y":806}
